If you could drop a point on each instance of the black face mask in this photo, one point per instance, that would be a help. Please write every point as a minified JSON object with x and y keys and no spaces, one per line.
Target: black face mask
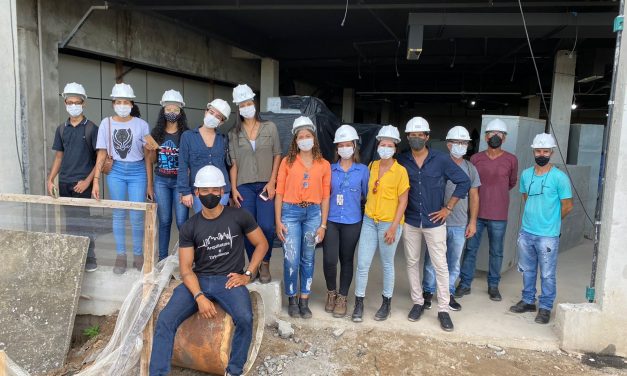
{"x":210,"y":200}
{"x":495,"y":142}
{"x":542,"y":161}
{"x":171,"y":116}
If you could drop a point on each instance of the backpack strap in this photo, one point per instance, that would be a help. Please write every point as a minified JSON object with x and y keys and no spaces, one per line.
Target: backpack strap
{"x":89,"y":131}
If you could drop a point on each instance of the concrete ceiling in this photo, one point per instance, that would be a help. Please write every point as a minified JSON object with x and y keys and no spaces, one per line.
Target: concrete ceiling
{"x":469,"y":46}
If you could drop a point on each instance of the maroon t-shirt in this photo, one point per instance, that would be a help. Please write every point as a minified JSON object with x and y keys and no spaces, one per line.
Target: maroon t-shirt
{"x":497,"y":176}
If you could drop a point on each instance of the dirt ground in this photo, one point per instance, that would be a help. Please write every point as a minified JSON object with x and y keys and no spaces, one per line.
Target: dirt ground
{"x":315,"y":352}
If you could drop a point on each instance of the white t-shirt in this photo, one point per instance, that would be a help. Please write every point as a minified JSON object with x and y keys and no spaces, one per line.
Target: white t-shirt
{"x":128,"y":138}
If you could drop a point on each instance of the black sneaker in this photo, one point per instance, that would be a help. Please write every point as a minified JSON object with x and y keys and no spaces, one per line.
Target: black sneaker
{"x":494,"y":294}
{"x":543,"y":317}
{"x":522,"y":307}
{"x":427,"y":297}
{"x":453,"y":305}
{"x":415,"y":313}
{"x":91,"y":265}
{"x":461,"y":291}
{"x":445,"y":321}
{"x":292,"y":308}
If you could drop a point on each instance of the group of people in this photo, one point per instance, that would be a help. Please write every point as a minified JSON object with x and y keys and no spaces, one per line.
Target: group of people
{"x":349,"y":208}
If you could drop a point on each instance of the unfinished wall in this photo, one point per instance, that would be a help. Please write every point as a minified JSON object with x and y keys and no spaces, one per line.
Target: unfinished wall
{"x":134,"y":37}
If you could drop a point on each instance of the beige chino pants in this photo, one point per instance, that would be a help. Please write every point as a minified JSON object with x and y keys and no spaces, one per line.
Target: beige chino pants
{"x":436,"y":244}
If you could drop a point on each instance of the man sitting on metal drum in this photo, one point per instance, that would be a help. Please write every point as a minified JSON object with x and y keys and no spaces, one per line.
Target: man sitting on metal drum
{"x":212,"y":257}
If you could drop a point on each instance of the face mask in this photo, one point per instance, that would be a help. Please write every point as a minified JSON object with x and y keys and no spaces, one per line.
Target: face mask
{"x":247,"y":112}
{"x":494,"y":142}
{"x":122,"y":110}
{"x":346,"y":152}
{"x":210,"y":200}
{"x":171,"y":117}
{"x":385,"y":152}
{"x":211,"y":121}
{"x":306,"y":144}
{"x":458,"y":151}
{"x":416,"y":143}
{"x":74,"y":109}
{"x":542,"y":160}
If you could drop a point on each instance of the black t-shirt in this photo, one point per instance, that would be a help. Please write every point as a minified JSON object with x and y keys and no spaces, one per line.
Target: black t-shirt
{"x":218,"y":243}
{"x":78,"y":159}
{"x":168,"y":156}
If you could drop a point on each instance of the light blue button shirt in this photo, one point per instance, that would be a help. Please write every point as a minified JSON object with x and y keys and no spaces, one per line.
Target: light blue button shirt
{"x":351,"y":185}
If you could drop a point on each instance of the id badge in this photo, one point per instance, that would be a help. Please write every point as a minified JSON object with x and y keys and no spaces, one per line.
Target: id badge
{"x":339,"y":200}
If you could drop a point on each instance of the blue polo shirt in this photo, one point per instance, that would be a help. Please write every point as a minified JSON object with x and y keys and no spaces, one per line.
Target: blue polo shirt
{"x":352,"y":185}
{"x":427,"y":185}
{"x":194,"y":155}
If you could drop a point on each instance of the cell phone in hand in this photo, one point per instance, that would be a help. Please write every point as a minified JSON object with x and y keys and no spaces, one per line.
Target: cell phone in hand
{"x":264,"y":195}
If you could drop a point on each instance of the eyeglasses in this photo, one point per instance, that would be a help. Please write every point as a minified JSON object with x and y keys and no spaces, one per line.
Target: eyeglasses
{"x":376,"y":185}
{"x":305,"y":180}
{"x":529,"y":194}
{"x":498,"y":133}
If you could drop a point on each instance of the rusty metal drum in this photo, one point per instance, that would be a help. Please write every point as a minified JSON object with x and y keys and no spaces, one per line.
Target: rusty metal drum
{"x":205,"y":345}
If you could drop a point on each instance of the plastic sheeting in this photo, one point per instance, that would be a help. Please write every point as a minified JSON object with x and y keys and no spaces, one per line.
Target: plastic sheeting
{"x":122,"y":354}
{"x":326,"y":124}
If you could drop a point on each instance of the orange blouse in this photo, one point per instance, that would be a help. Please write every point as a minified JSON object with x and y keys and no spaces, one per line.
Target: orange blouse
{"x":296,"y":183}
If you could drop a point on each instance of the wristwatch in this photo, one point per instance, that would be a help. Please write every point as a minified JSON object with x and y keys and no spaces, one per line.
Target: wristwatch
{"x":249,"y":274}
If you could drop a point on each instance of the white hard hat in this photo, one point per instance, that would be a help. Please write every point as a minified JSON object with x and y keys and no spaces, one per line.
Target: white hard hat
{"x":74,"y":88}
{"x":389,"y":131}
{"x":172,"y":96}
{"x":303,"y":122}
{"x":543,"y":141}
{"x":222,"y":106}
{"x":417,"y":124}
{"x":242,"y":93}
{"x":209,"y":177}
{"x":496,"y":125}
{"x":122,"y":91}
{"x":458,"y":133}
{"x":345,"y":133}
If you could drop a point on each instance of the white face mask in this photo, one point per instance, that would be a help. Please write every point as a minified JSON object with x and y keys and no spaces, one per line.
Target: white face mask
{"x":211,"y":121}
{"x":247,"y":112}
{"x":74,"y":109}
{"x":306,"y":144}
{"x":458,"y":151}
{"x":346,"y":152}
{"x":122,"y":110}
{"x":385,"y":152}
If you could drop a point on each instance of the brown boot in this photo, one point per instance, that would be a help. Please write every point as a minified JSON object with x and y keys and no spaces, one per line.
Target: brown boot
{"x":340,"y":306}
{"x":138,"y":262}
{"x":120,"y":264}
{"x":330,"y":301}
{"x":264,"y":272}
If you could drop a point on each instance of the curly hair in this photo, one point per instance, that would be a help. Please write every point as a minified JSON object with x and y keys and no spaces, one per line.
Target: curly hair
{"x":293,"y":151}
{"x":158,"y":132}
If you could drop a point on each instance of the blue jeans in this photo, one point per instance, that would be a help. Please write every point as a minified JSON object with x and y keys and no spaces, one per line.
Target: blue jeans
{"x":455,"y":239}
{"x":197,"y":206}
{"x":235,"y":301}
{"x":127,"y":182}
{"x":262,"y":211}
{"x":534,"y":250}
{"x":299,"y":246}
{"x":166,"y":196}
{"x":496,"y":235}
{"x":371,"y":238}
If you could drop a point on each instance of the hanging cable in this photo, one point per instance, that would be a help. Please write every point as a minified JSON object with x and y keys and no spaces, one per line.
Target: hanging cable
{"x":454,"y":53}
{"x":398,"y":47}
{"x":345,"y":13}
{"x":576,"y":36}
{"x":511,"y":79}
{"x":546,"y":108}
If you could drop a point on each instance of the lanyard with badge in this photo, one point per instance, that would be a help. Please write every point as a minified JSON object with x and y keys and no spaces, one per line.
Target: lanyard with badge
{"x":339,"y":198}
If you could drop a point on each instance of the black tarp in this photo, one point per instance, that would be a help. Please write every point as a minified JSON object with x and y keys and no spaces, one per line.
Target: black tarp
{"x":326,"y":124}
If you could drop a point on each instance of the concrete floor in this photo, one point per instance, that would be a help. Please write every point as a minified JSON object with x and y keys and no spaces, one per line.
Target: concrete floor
{"x":481,"y":321}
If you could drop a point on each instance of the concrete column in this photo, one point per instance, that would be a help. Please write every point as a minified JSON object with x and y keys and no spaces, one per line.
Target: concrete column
{"x":533,"y":107}
{"x":269,"y":81}
{"x":348,"y":105}
{"x":562,"y":99}
{"x":386,"y":110}
{"x":11,"y":144}
{"x":599,"y":326}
